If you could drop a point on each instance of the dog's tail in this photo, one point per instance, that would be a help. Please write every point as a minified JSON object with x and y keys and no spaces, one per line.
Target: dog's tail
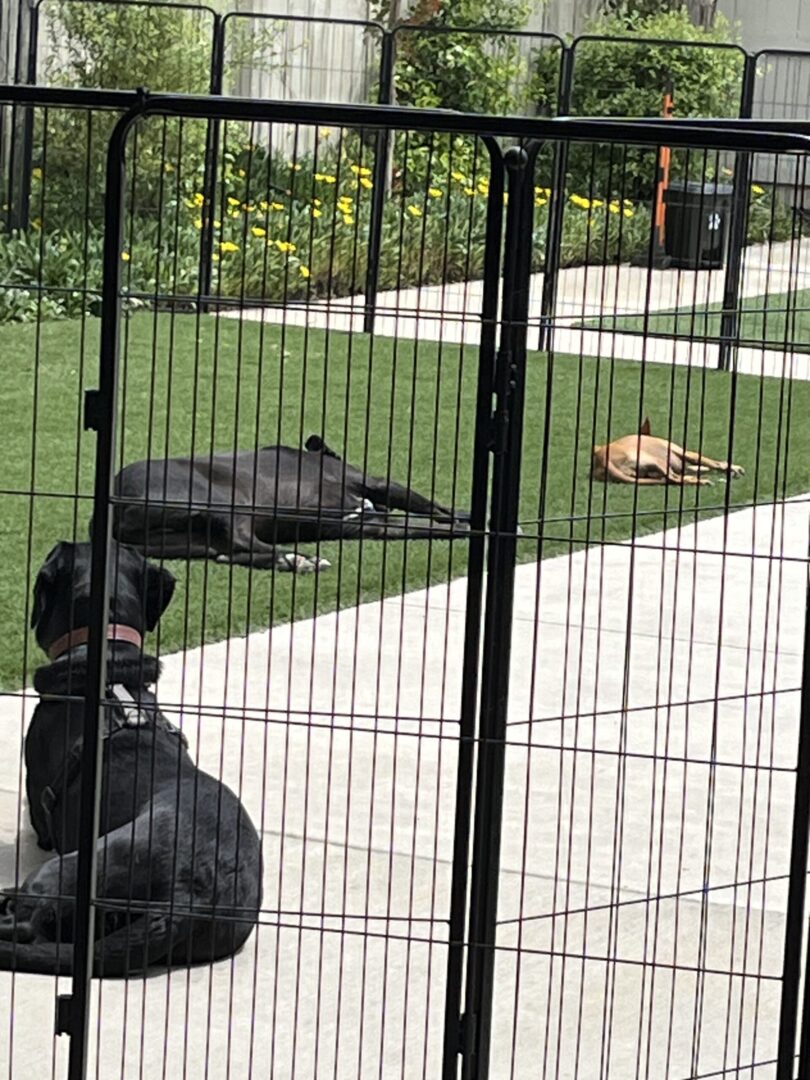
{"x":126,"y":952}
{"x":316,"y":445}
{"x":36,"y":958}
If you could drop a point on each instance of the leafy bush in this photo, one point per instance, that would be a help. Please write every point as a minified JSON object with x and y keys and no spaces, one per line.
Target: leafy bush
{"x":123,"y":47}
{"x":441,"y":64}
{"x":629,"y":79}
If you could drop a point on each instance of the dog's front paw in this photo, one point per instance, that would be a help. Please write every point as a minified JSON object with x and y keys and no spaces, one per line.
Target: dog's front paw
{"x":736,"y":470}
{"x":301,"y":564}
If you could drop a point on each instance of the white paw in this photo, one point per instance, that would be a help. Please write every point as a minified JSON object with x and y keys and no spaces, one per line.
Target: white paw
{"x":301,"y":564}
{"x":736,"y":470}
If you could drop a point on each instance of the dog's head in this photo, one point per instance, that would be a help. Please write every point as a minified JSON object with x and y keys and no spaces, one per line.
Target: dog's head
{"x":139,"y":592}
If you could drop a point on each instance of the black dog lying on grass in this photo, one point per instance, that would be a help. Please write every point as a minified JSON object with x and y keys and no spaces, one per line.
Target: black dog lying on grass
{"x":176,"y":844}
{"x":237,"y":507}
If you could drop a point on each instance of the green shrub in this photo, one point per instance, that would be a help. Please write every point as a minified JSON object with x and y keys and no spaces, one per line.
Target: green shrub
{"x":629,"y":79}
{"x":123,"y":47}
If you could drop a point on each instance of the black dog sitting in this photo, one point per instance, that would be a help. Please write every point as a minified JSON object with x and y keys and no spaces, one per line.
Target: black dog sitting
{"x":179,"y":860}
{"x":237,"y":507}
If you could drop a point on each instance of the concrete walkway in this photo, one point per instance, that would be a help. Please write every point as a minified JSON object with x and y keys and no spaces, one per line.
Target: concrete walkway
{"x":451,"y":313}
{"x":616,"y":790}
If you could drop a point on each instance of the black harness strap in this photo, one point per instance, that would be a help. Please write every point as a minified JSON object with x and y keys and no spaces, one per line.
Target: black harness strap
{"x":128,"y":712}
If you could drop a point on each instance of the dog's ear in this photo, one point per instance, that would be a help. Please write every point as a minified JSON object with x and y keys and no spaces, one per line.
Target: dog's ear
{"x":645,"y":427}
{"x":158,"y":591}
{"x":43,"y":586}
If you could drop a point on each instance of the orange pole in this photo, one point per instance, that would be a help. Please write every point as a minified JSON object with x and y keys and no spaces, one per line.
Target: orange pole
{"x":664,"y":161}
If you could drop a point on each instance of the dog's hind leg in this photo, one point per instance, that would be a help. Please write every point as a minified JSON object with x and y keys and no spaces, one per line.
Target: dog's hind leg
{"x":694,"y":458}
{"x":383,"y":526}
{"x":260,"y":555}
{"x":131,"y":949}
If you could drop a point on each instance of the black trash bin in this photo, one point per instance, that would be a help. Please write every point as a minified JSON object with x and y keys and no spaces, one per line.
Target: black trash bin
{"x":697,"y":224}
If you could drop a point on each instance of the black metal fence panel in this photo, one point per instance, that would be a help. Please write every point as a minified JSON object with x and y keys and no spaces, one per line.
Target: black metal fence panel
{"x":510,"y":824}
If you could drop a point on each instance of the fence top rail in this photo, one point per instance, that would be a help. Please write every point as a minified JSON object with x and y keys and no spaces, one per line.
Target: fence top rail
{"x":775,"y":136}
{"x":677,"y":43}
{"x":367,"y":24}
{"x":426,"y":28}
{"x":780,"y":52}
{"x":185,"y":5}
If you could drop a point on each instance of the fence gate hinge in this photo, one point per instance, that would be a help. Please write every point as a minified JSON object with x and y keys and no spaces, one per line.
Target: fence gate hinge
{"x":64,"y":1014}
{"x":92,"y":410}
{"x":466,"y":1033}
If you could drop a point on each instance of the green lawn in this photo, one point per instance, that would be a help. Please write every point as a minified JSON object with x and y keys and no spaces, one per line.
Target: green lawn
{"x":777,"y":320}
{"x":419,"y":397}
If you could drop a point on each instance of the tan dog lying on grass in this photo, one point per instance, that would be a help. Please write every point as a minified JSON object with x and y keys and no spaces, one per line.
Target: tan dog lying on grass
{"x":646,"y":459}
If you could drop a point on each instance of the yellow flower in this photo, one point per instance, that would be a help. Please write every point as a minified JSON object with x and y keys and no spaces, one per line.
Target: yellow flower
{"x":324,"y":133}
{"x":305,"y":272}
{"x":36,"y":173}
{"x":232,"y":201}
{"x":469,"y":191}
{"x":215,"y":257}
{"x":285,"y":247}
{"x":198,"y":224}
{"x":360,"y":170}
{"x":198,"y":199}
{"x":317,"y":202}
{"x":125,"y":256}
{"x":228,"y":245}
{"x":241,"y":173}
{"x":581,"y":201}
{"x":541,"y":202}
{"x":483,"y":187}
{"x":366,"y":183}
{"x":545,"y":191}
{"x":258,"y":231}
{"x":628,"y":212}
{"x":316,"y":212}
{"x":415,"y":211}
{"x":434,"y":192}
{"x":248,"y":208}
{"x":614,"y":206}
{"x":459,"y":177}
{"x":217,"y":224}
{"x":757,"y":190}
{"x":325,"y":178}
{"x":276,"y":206}
{"x":597,"y":204}
{"x":348,"y":219}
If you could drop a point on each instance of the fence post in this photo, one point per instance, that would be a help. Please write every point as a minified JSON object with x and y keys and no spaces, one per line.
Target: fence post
{"x":556,"y":216}
{"x":456,"y":1030}
{"x":211,"y":160}
{"x":381,"y":154}
{"x":100,"y":416}
{"x":20,"y":165}
{"x":507,"y":430}
{"x":797,"y":885}
{"x":730,"y":319}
